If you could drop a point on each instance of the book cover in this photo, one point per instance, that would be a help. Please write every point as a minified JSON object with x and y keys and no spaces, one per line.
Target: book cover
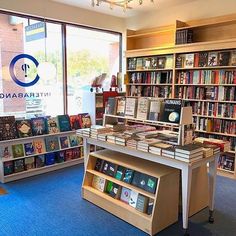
{"x":136,"y":178}
{"x":128,"y":175}
{"x":64,"y":123}
{"x":147,"y":62}
{"x":189,"y":60}
{"x":133,"y":198}
{"x":125,"y":195}
{"x":5,"y":151}
{"x":74,"y":122}
{"x":120,"y":172}
{"x":99,"y":183}
{"x":85,"y":120}
{"x":8,"y":168}
{"x":19,"y":165}
{"x":53,"y":127}
{"x":29,"y":148}
{"x":51,"y":143}
{"x":39,"y":126}
{"x":18,"y":150}
{"x":151,"y":184}
{"x":172,"y":111}
{"x":23,"y":128}
{"x":64,"y":142}
{"x":139,"y":63}
{"x":179,"y":61}
{"x":161,"y":62}
{"x":50,"y":158}
{"x":120,"y":110}
{"x":142,"y":203}
{"x":68,"y":154}
{"x":189,"y":148}
{"x":105,"y":167}
{"x":39,"y":146}
{"x":154,"y":110}
{"x":76,"y":153}
{"x":99,"y":165}
{"x":39,"y":161}
{"x":29,"y":163}
{"x":60,"y":157}
{"x":203,"y":59}
{"x":111,"y":170}
{"x":113,"y":189}
{"x":131,"y":62}
{"x":169,"y":62}
{"x":150,"y":206}
{"x":212,"y":58}
{"x":233,"y":58}
{"x":223,"y":58}
{"x":153,"y":63}
{"x":131,"y":107}
{"x":74,"y":140}
{"x":143,"y":108}
{"x":110,"y":107}
{"x":7,"y":128}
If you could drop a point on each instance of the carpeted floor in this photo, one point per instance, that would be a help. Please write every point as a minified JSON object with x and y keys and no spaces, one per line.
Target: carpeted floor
{"x":51,"y":204}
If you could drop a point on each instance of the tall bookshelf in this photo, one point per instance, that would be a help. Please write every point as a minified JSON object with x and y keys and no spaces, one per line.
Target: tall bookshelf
{"x":214,"y":107}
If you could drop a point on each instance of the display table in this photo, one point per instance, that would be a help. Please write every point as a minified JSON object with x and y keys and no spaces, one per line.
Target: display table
{"x":186,"y":171}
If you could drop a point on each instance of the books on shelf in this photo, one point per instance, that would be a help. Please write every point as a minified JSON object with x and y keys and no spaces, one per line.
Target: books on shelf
{"x":7,"y":128}
{"x":23,"y":128}
{"x":51,"y":143}
{"x":143,"y":108}
{"x":18,"y":150}
{"x":226,"y":162}
{"x":133,"y":198}
{"x":5,"y":151}
{"x":120,"y":110}
{"x":29,"y":148}
{"x":142,"y":203}
{"x":131,"y":107}
{"x":155,"y":109}
{"x":53,"y":126}
{"x":99,"y":183}
{"x":189,"y":149}
{"x":125,"y":195}
{"x":39,"y":126}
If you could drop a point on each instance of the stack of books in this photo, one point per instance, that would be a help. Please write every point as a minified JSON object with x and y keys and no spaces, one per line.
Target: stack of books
{"x":168,"y":152}
{"x":207,"y":151}
{"x":148,"y":134}
{"x":143,"y":145}
{"x":158,"y":147}
{"x":83,"y":132}
{"x":133,"y":142}
{"x":98,"y":129}
{"x":189,"y":152}
{"x":116,"y":127}
{"x":121,"y":138}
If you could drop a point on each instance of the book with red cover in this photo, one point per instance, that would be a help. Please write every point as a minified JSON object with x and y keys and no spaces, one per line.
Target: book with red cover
{"x":84,"y":120}
{"x":74,"y":122}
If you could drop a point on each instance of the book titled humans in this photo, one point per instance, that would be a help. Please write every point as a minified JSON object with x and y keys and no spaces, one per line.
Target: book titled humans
{"x":172,"y":111}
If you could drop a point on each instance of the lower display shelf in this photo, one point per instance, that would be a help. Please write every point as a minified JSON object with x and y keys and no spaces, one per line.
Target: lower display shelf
{"x":41,"y":170}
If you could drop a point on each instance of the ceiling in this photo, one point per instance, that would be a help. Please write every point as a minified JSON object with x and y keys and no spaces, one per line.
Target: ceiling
{"x":104,"y":8}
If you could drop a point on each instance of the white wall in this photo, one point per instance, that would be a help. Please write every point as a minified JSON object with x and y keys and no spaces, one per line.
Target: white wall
{"x":197,"y":9}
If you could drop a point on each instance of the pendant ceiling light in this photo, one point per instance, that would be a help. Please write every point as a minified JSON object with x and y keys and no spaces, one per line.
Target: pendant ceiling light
{"x":120,"y":3}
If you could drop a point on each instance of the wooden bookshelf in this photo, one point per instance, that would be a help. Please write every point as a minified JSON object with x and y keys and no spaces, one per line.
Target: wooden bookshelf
{"x":165,"y":199}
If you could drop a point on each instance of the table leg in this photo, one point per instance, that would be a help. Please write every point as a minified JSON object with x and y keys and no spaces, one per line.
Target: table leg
{"x":86,"y":146}
{"x":212,"y":184}
{"x":186,"y":175}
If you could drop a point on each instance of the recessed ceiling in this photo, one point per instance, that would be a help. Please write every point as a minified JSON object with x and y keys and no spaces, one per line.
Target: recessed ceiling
{"x":147,"y":6}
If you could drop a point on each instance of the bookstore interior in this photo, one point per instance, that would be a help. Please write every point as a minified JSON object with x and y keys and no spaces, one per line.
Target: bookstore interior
{"x":149,"y":138}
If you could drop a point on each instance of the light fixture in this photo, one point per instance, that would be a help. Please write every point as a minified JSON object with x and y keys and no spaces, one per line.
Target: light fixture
{"x":120,"y":3}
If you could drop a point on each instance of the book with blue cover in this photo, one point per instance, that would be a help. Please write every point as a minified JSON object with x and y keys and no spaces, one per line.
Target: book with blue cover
{"x":29,"y":148}
{"x":50,"y":158}
{"x":64,"y":123}
{"x":39,"y":126}
{"x":64,"y":142}
{"x":51,"y":143}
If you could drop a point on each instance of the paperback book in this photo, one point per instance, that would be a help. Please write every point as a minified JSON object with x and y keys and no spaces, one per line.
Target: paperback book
{"x":39,"y":161}
{"x":74,"y":122}
{"x":5,"y":151}
{"x":29,"y":148}
{"x":50,"y":158}
{"x":74,"y":140}
{"x":19,"y":165}
{"x":51,"y":143}
{"x":125,"y":195}
{"x":39,"y":126}
{"x":64,"y":123}
{"x":39,"y":146}
{"x":29,"y":163}
{"x":120,"y":110}
{"x":53,"y":127}
{"x":8,"y":168}
{"x":99,"y":183}
{"x":64,"y":142}
{"x":143,"y":108}
{"x":18,"y":150}
{"x":85,"y":120}
{"x":23,"y":128}
{"x":7,"y":128}
{"x":130,"y":107}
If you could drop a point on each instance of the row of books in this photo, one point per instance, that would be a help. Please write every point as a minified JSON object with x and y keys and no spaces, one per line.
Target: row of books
{"x":126,"y":195}
{"x":205,"y":59}
{"x":206,"y":77}
{"x":184,"y":36}
{"x":155,"y":77}
{"x":145,"y":108}
{"x":216,"y":125}
{"x":140,"y":180}
{"x":28,"y":163}
{"x":218,"y":110}
{"x":226,"y":162}
{"x":152,"y":62}
{"x":219,"y":93}
{"x":150,"y":91}
{"x":10,"y":128}
{"x":39,"y":145}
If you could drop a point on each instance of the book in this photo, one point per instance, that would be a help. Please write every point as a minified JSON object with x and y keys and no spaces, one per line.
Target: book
{"x":189,"y":149}
{"x":161,"y":62}
{"x":143,"y":108}
{"x":64,"y":142}
{"x":133,"y":198}
{"x":39,"y":146}
{"x":212,"y":58}
{"x":179,"y":61}
{"x":105,"y":167}
{"x":5,"y":151}
{"x":120,"y":172}
{"x":29,"y":148}
{"x":18,"y":150}
{"x":223,"y":58}
{"x":23,"y":128}
{"x":51,"y":143}
{"x":136,"y":178}
{"x":110,"y":107}
{"x":74,"y":140}
{"x":120,"y":109}
{"x":169,"y":62}
{"x":153,"y":63}
{"x":147,"y":62}
{"x":128,"y":175}
{"x":75,"y":153}
{"x":131,"y":107}
{"x":99,"y":165}
{"x":29,"y":163}
{"x":68,"y":154}
{"x":53,"y":127}
{"x":151,"y":184}
{"x":233,"y":58}
{"x":39,"y":161}
{"x":131,"y":62}
{"x":99,"y":183}
{"x":111,"y":170}
{"x":8,"y":168}
{"x":125,"y":195}
{"x":39,"y":126}
{"x":50,"y":158}
{"x":19,"y":165}
{"x":171,"y":111}
{"x":155,"y":109}
{"x":113,"y":189}
{"x":60,"y":156}
{"x":150,"y":206}
{"x":64,"y":123}
{"x":85,"y":120}
{"x":203,"y":59}
{"x":139,"y":63}
{"x":142,"y":203}
{"x":189,"y":60}
{"x":74,"y":122}
{"x":7,"y":128}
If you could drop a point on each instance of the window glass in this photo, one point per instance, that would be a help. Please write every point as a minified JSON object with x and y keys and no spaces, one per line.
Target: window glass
{"x":90,"y":53}
{"x":30,"y":67}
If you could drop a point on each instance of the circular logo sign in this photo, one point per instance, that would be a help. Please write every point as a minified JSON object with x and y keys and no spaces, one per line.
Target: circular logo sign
{"x":12,"y":73}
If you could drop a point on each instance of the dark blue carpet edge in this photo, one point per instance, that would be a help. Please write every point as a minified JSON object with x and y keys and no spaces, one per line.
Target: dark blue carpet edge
{"x":51,"y":204}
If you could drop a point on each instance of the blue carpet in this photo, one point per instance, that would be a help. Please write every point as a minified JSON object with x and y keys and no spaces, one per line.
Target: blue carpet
{"x":51,"y":204}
